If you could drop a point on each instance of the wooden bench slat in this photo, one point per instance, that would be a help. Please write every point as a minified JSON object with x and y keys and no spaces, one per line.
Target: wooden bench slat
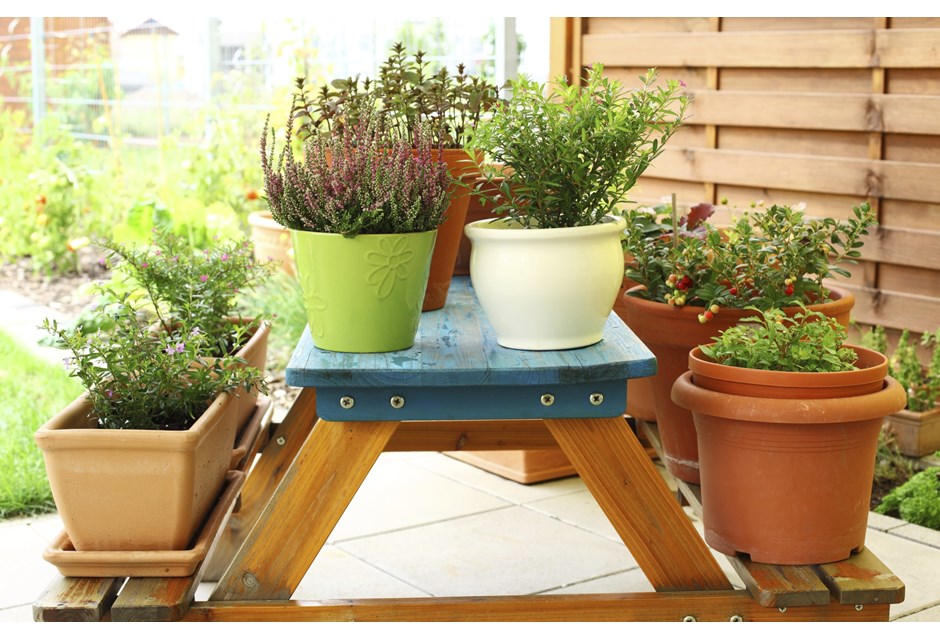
{"x":780,"y":585}
{"x":76,"y":599}
{"x":862,"y":579}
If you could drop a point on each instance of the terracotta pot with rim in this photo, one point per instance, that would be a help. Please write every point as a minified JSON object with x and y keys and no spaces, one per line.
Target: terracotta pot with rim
{"x":132,"y":489}
{"x":787,"y":480}
{"x":670,"y":333}
{"x":271,"y":241}
{"x":463,"y":169}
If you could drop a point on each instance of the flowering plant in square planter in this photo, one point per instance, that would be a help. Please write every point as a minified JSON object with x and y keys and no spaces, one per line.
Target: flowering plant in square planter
{"x":180,"y":285}
{"x":568,"y":157}
{"x":696,"y":279}
{"x":138,"y":460}
{"x":363,"y":209}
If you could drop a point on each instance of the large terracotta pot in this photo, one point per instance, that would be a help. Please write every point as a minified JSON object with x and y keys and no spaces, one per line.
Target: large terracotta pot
{"x":476,"y":211}
{"x":788,"y":480}
{"x":463,"y":169}
{"x":670,"y":333}
{"x":135,"y":490}
{"x":639,"y":390}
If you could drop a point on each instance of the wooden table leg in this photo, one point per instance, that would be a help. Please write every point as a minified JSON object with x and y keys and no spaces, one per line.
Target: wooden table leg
{"x":307,"y":504}
{"x":636,"y":500}
{"x":263,"y":479}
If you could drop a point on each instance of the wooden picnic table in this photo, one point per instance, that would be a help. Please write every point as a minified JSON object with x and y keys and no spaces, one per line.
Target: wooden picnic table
{"x":456,"y":389}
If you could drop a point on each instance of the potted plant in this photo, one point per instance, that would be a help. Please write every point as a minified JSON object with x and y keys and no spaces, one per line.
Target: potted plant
{"x":915,"y":428}
{"x":696,"y":279}
{"x":138,"y":461}
{"x":363,"y":208}
{"x":182,"y":284}
{"x":548,"y":272}
{"x":448,"y":107}
{"x":787,"y":418}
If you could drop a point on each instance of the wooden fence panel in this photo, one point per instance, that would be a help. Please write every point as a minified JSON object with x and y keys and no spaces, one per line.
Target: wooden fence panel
{"x":826,"y":111}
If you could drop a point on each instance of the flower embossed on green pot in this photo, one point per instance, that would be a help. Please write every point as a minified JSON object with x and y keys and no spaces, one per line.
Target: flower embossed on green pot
{"x":376,"y":305}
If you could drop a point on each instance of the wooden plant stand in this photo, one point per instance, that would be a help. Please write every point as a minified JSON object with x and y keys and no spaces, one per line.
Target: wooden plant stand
{"x":455,"y":390}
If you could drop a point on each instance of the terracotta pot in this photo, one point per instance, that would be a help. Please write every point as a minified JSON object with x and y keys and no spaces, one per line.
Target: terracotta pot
{"x":869,"y":378}
{"x":916,"y":433}
{"x":476,"y":211}
{"x":639,"y":390}
{"x":787,"y":480}
{"x":670,"y":333}
{"x":271,"y":241}
{"x":135,"y":490}
{"x":462,"y":168}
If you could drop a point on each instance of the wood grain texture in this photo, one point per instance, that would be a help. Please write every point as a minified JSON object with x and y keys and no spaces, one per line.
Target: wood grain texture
{"x":456,"y":346}
{"x":619,"y":474}
{"x":779,"y":585}
{"x":76,"y":599}
{"x":836,"y":48}
{"x":817,"y":111}
{"x":860,"y":177}
{"x":862,"y":579}
{"x":263,"y":480}
{"x":471,"y":435}
{"x":895,"y":310}
{"x":713,"y":606}
{"x":307,"y":504}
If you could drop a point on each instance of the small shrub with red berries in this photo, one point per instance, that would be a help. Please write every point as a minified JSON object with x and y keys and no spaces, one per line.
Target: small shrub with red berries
{"x":768,"y":258}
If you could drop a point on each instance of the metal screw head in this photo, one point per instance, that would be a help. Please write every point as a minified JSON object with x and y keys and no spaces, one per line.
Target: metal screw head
{"x":397,"y":402}
{"x":736,"y":618}
{"x":347,"y":402}
{"x":689,"y":619}
{"x":547,"y":399}
{"x":281,"y":440}
{"x":597,"y":398}
{"x":859,"y":607}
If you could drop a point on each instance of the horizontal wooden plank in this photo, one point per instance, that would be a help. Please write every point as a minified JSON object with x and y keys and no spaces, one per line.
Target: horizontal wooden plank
{"x":76,"y":599}
{"x":895,"y":310}
{"x":794,"y":24}
{"x":924,"y":282}
{"x":911,"y":247}
{"x":817,"y":111}
{"x":714,"y":606}
{"x":862,"y":579}
{"x":646,"y":25}
{"x":476,"y":435}
{"x":837,"y":48}
{"x":863,"y":178}
{"x":779,"y":585}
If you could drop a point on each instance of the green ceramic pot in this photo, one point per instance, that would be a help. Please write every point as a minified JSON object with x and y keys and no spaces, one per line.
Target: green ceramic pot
{"x":363,"y":294}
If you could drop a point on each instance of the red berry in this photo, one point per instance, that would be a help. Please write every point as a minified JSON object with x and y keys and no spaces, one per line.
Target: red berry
{"x":708,"y":315}
{"x":686,"y":280}
{"x":733,"y":291}
{"x":789,"y":290}
{"x":681,"y":286}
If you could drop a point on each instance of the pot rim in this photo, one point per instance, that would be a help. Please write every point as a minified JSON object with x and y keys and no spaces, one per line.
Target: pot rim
{"x":304,"y":232}
{"x":499,"y":228}
{"x":699,"y":363}
{"x":843,"y":297}
{"x":884,"y":402}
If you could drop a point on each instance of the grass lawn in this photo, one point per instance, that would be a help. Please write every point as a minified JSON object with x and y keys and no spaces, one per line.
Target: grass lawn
{"x":35,"y":391}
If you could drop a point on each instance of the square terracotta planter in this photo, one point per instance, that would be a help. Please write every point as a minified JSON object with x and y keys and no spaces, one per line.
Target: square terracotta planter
{"x":916,"y":433}
{"x":136,"y":490}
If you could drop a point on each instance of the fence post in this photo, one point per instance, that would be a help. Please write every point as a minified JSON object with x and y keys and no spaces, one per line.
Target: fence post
{"x":37,"y":43}
{"x":507,"y":52}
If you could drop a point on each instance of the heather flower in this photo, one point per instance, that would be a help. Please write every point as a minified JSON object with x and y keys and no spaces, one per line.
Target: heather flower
{"x":203,"y":278}
{"x":356,"y":180}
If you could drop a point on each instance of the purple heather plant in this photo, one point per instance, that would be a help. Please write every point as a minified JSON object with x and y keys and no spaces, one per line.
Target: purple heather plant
{"x":358,"y":179}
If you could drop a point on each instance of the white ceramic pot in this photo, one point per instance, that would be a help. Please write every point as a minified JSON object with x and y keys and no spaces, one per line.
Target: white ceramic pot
{"x":545,"y":289}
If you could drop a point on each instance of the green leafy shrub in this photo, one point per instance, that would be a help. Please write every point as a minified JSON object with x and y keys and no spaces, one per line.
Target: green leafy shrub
{"x":922,"y":383}
{"x":917,"y":500}
{"x":809,"y":341}
{"x":771,"y":257}
{"x":571,"y":153}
